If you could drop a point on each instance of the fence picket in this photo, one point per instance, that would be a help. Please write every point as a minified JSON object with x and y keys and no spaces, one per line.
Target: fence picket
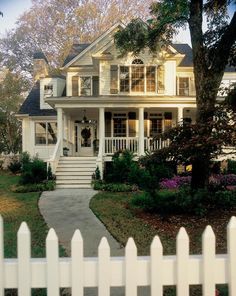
{"x":156,"y":264}
{"x":1,"y":258}
{"x":52,"y":255}
{"x":130,"y":268}
{"x":208,"y":262}
{"x":231,"y":245}
{"x":24,"y":256}
{"x":77,"y":264}
{"x":182,"y":260}
{"x":104,"y":268}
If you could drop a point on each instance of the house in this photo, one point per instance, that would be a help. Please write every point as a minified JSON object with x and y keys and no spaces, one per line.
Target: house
{"x":105,"y":103}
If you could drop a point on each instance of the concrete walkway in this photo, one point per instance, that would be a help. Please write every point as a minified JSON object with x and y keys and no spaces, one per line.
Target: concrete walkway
{"x":67,"y":210}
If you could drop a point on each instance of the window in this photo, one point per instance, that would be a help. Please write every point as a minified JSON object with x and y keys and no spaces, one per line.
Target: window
{"x":85,"y":86}
{"x":124,"y":79}
{"x":45,"y":133}
{"x":183,"y":86}
{"x":137,"y":62}
{"x":137,"y":79}
{"x":155,"y":124}
{"x":151,"y":79}
{"x":119,"y":123}
{"x":48,"y":90}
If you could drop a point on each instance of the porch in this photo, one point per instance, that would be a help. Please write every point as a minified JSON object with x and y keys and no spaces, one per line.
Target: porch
{"x":103,"y":131}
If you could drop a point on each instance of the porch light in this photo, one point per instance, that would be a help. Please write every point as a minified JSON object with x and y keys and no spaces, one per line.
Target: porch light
{"x":85,"y":119}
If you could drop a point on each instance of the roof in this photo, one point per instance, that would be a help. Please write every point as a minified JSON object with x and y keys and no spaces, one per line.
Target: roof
{"x":39,"y":55}
{"x":185,"y":49}
{"x":74,"y":51}
{"x":31,"y":104}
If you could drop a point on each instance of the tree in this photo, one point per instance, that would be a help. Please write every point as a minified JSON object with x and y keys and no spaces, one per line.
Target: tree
{"x":212,"y":51}
{"x":54,"y":25}
{"x":12,"y":88}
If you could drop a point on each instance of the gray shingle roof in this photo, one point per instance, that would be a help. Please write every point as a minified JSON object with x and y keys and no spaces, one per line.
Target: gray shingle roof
{"x":31,"y":104}
{"x":187,"y":51}
{"x":39,"y":55}
{"x":75,"y":50}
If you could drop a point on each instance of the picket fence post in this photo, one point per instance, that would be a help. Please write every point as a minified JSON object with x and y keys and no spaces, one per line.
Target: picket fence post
{"x":130,"y":268}
{"x":77,"y":264}
{"x":231,"y":246}
{"x":104,"y":268}
{"x":1,"y":258}
{"x":208,"y":264}
{"x":156,"y":265}
{"x":52,"y":255}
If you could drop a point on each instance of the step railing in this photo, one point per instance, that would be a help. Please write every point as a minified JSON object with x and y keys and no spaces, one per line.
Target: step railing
{"x":130,"y":271}
{"x":54,"y":160}
{"x":152,"y":144}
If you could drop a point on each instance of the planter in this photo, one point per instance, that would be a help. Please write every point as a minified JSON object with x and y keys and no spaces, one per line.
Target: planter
{"x":65,"y":151}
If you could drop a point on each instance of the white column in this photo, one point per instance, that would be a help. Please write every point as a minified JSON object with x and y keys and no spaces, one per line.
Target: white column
{"x":60,"y":128}
{"x":180,"y":115}
{"x":101,"y":132}
{"x":141,"y":131}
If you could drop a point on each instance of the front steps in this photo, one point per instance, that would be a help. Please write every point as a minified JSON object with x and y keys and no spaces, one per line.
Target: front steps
{"x":75,"y":172}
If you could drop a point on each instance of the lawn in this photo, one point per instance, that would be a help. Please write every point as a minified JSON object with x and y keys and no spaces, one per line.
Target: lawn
{"x":123,"y":221}
{"x":18,"y":207}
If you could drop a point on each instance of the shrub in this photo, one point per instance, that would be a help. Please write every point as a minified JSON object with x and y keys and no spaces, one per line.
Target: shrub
{"x":112,"y":187}
{"x":231,"y":167}
{"x":46,"y":186}
{"x":97,"y":174}
{"x":49,"y":173}
{"x":175,"y":182}
{"x":15,"y":166}
{"x":34,"y":171}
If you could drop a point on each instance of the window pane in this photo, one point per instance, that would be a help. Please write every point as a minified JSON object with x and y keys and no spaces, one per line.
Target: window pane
{"x":151,"y":79}
{"x":124,"y":79}
{"x":137,"y":79}
{"x":85,"y":83}
{"x":183,"y":86}
{"x":119,"y":127}
{"x":40,"y":133}
{"x":52,"y":133}
{"x":48,"y":90}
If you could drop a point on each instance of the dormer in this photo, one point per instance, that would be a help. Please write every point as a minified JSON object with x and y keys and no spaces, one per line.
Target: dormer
{"x":51,"y":87}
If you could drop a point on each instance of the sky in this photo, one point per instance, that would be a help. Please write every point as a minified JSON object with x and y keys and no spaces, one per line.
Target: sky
{"x":11,"y":9}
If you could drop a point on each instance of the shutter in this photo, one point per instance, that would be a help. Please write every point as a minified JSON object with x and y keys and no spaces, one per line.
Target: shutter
{"x":161,"y":80}
{"x":114,"y":79}
{"x":95,"y":86}
{"x":75,"y":86}
{"x":132,"y":124}
{"x":108,"y":116}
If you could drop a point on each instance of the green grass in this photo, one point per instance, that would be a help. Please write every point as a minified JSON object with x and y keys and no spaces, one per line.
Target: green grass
{"x":16,"y":208}
{"x":113,"y":210}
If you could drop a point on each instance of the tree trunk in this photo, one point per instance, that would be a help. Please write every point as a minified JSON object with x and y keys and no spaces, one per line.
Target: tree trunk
{"x":200,"y":172}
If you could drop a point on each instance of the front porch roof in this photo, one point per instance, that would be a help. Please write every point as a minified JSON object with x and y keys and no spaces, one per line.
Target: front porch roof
{"x":122,"y":101}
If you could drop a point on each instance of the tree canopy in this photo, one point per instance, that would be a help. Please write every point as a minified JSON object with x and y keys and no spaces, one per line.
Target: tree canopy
{"x":54,"y":25}
{"x":213,"y":49}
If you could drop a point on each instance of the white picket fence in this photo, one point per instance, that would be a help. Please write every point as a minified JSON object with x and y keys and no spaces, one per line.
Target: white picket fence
{"x":129,"y":271}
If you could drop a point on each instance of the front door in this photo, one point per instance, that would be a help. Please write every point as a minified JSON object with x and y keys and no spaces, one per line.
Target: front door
{"x":84,"y":139}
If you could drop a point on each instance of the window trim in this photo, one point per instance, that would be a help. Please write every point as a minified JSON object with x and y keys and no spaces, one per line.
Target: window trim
{"x":185,"y":77}
{"x":46,"y":122}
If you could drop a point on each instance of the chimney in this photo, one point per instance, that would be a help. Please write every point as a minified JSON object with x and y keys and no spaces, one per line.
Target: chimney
{"x":40,"y":67}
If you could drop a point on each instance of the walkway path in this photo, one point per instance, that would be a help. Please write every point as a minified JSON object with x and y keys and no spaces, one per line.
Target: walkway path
{"x":67,"y":210}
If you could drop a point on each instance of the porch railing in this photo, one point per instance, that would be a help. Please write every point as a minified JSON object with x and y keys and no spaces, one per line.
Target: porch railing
{"x":151,"y":144}
{"x":113,"y":145}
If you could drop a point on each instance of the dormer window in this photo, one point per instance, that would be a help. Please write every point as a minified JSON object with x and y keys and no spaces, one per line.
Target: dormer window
{"x":48,"y":90}
{"x":85,"y":86}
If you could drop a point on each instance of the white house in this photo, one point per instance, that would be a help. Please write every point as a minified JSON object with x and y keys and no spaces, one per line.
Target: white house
{"x":105,"y":103}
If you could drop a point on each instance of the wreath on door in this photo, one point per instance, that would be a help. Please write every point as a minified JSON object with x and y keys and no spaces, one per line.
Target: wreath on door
{"x":86,"y":133}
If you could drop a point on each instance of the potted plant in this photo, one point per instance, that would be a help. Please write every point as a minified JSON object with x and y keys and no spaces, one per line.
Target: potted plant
{"x":65,"y":151}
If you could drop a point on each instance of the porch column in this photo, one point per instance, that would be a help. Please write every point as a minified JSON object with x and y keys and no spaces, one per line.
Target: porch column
{"x":141,"y":131}
{"x":60,"y":128}
{"x":101,"y":132}
{"x":180,"y":115}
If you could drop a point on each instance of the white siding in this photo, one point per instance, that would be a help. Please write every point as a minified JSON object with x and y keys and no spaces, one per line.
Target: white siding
{"x":170,"y":78}
{"x":58,"y":87}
